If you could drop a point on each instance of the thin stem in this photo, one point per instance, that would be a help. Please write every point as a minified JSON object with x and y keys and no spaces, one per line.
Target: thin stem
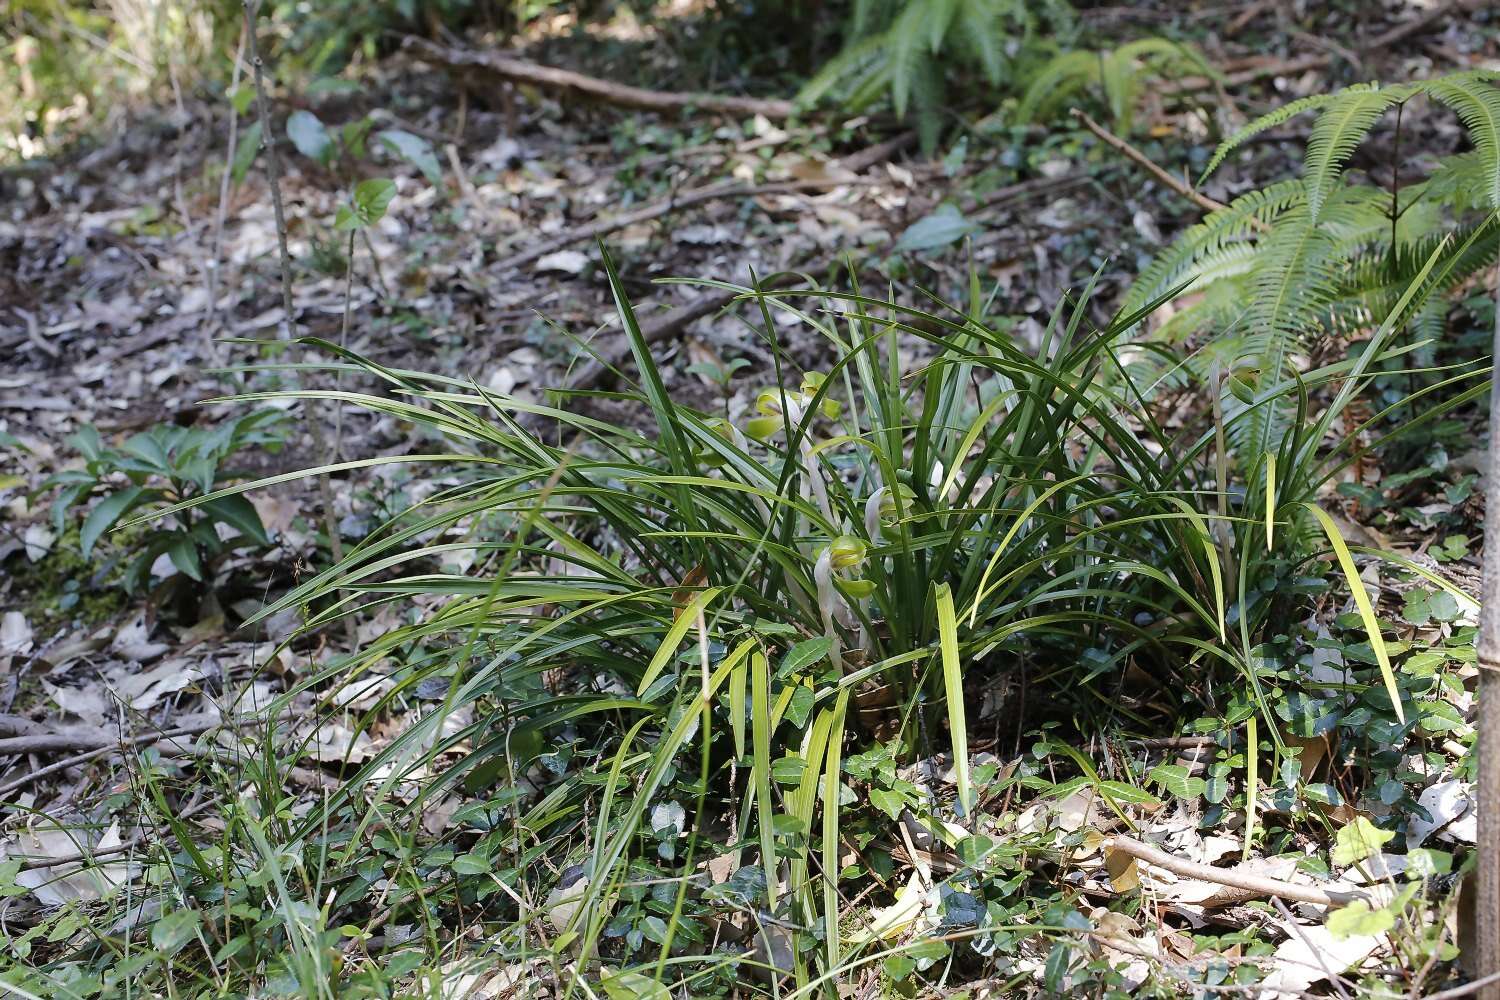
{"x":311,"y":408}
{"x":338,"y":379}
{"x":1396,"y":178}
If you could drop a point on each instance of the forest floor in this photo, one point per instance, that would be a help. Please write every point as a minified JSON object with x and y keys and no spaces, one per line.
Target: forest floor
{"x":133,"y":287}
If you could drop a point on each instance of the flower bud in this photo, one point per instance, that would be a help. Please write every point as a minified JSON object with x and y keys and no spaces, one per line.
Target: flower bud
{"x":858,"y":589}
{"x":847,"y":552}
{"x":762,"y":428}
{"x":768,"y":402}
{"x":1243,"y":382}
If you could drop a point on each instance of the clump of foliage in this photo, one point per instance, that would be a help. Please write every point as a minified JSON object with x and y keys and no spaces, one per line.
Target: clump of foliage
{"x":167,"y":464}
{"x":910,"y":51}
{"x":1118,"y":76}
{"x":665,"y":638}
{"x":1318,"y":256}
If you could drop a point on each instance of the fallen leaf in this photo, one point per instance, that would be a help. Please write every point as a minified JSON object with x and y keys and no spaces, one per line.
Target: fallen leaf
{"x":569,"y":262}
{"x":133,"y":642}
{"x":1447,"y":802}
{"x":1310,"y":955}
{"x":15,"y":634}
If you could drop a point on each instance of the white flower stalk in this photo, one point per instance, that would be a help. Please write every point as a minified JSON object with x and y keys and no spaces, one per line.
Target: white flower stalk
{"x":873,"y":511}
{"x":829,"y":601}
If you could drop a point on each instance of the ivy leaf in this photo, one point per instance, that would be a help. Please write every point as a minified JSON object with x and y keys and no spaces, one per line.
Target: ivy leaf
{"x":414,"y":150}
{"x":1121,"y":792}
{"x":310,"y":137}
{"x":944,"y":226}
{"x":1178,"y":781}
{"x":240,"y":98}
{"x":107,"y":512}
{"x":801,"y":705}
{"x":245,"y":152}
{"x":634,"y":986}
{"x":371,"y":198}
{"x":887,"y":802}
{"x":803,"y":655}
{"x":1358,"y":919}
{"x":1358,"y":840}
{"x":184,"y":555}
{"x":471,"y":864}
{"x":174,"y":930}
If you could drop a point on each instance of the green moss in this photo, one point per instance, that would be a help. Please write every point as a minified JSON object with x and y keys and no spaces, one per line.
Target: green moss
{"x":59,"y":587}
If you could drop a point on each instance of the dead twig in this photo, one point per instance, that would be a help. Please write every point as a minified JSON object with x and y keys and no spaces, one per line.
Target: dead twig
{"x":849,"y":165}
{"x":509,"y":68}
{"x":1487,"y":878}
{"x":311,"y":408}
{"x":101,"y":746}
{"x":1259,"y":885}
{"x":685,"y":199}
{"x":601,"y":369}
{"x":1177,"y":184}
{"x":1467,"y":989}
{"x":54,"y":741}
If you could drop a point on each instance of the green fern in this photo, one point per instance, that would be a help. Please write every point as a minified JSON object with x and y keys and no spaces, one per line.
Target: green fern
{"x":1120,"y":74}
{"x":902,"y":50}
{"x":1318,"y":256}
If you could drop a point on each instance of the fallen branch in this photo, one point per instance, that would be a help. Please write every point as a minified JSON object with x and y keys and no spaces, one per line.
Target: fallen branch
{"x":603,"y":367}
{"x":1467,"y":989}
{"x":1258,"y":885}
{"x":1177,"y":184}
{"x":685,"y":199}
{"x":851,"y":164}
{"x":509,"y":68}
{"x":79,"y":857}
{"x":55,"y":741}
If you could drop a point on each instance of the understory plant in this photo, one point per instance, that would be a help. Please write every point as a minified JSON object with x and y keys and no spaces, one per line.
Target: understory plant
{"x":1325,"y":257}
{"x":1117,"y":77}
{"x":905,"y":51}
{"x":642,"y":650}
{"x":166,"y":465}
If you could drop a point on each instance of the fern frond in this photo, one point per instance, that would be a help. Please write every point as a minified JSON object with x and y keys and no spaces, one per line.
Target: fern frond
{"x":1338,"y":131}
{"x":904,"y":42}
{"x":1063,"y":75}
{"x":1463,"y":181}
{"x":1376,"y":280}
{"x":1234,"y":222}
{"x":1295,"y":279}
{"x":1476,"y":101}
{"x":1269,"y":121}
{"x":977,"y":26}
{"x":856,"y":60}
{"x":937,"y":18}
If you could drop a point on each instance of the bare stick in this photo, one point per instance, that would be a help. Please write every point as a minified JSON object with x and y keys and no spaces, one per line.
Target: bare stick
{"x":1177,"y":184}
{"x":1467,"y":989}
{"x":515,"y":70}
{"x":102,"y":748}
{"x":1487,"y":846}
{"x":78,"y":857}
{"x":1301,"y":64}
{"x":216,"y":253}
{"x":1259,"y":885}
{"x":600,"y":369}
{"x":289,"y":320}
{"x":684,"y":199}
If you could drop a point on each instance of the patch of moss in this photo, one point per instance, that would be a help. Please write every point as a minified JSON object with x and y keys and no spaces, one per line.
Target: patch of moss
{"x":63,"y":586}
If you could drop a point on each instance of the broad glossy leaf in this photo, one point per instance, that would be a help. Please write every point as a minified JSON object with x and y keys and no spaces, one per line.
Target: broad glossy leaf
{"x":310,"y":136}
